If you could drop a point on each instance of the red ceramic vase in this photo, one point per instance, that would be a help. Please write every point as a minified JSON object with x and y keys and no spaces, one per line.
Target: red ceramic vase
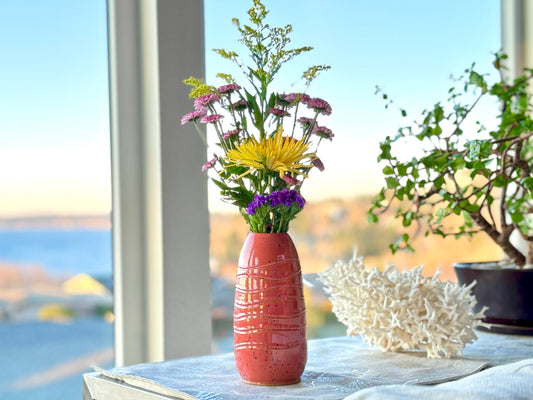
{"x":269,"y":318}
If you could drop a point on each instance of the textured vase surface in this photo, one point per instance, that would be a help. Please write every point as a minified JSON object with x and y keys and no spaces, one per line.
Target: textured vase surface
{"x":269,"y":315}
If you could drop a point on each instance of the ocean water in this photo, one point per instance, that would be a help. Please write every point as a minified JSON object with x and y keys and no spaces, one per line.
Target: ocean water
{"x":46,"y":360}
{"x":59,"y":251}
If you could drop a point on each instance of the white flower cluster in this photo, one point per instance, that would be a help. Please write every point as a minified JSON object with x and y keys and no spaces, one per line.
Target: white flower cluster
{"x":402,"y":310}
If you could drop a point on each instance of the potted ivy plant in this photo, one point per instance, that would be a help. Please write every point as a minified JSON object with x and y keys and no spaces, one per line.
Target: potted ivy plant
{"x":458,"y":172}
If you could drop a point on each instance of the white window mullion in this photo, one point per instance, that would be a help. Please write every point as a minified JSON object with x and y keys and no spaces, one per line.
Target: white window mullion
{"x":186,"y":278}
{"x":517,"y":35}
{"x":160,"y":216}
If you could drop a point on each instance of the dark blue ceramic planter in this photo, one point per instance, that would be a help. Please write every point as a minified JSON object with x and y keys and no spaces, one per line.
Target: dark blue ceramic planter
{"x":507,"y":292}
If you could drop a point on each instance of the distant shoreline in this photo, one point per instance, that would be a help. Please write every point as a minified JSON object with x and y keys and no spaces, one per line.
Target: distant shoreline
{"x":57,"y":222}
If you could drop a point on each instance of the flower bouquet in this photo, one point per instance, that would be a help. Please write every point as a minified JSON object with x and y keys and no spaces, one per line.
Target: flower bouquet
{"x":267,"y":141}
{"x":267,"y":144}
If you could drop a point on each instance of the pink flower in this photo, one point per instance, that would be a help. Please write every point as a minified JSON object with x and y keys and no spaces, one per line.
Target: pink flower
{"x":323,"y":132}
{"x":202,"y":102}
{"x":279,"y":112}
{"x":229,"y":134}
{"x":193,"y":116}
{"x":209,"y":164}
{"x":306,"y":122}
{"x":319,"y":105}
{"x":240,"y":105}
{"x":317,"y":162}
{"x":291,"y":180}
{"x":228,"y":88}
{"x":211,"y":119}
{"x":292,"y":98}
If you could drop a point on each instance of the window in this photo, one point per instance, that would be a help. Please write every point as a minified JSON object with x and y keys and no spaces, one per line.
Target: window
{"x":55,"y":197}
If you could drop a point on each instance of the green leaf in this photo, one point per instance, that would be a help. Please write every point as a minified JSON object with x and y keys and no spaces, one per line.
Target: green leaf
{"x":471,"y":208}
{"x":439,"y":182}
{"x":402,"y":169}
{"x":407,"y":219}
{"x":441,"y":214}
{"x":499,"y":181}
{"x":438,"y":113}
{"x":467,"y":219}
{"x":517,"y":217}
{"x":392,"y":183}
{"x":388,"y":170}
{"x":220,"y":184}
{"x":385,"y":151}
{"x":527,"y":183}
{"x":380,"y":196}
{"x":477,"y":80}
{"x":459,"y":163}
{"x":371,"y":218}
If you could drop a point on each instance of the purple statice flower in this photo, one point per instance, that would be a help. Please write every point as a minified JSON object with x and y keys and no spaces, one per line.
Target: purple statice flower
{"x":297,"y":198}
{"x":291,"y":180}
{"x":258,"y":201}
{"x":319,"y":105}
{"x":209,"y":164}
{"x":193,"y":116}
{"x":240,"y":105}
{"x":323,"y":132}
{"x":317,"y":162}
{"x":229,"y":134}
{"x":286,"y":197}
{"x":211,"y":119}
{"x":232,"y":87}
{"x":202,"y":102}
{"x":279,"y":112}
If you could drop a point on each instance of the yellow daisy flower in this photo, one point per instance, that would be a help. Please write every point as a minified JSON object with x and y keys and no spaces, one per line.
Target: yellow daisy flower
{"x":278,"y":153}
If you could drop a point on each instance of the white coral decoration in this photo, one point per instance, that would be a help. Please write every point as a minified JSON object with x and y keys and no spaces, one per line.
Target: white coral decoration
{"x":402,"y":310}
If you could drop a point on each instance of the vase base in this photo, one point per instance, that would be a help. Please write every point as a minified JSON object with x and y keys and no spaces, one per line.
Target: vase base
{"x":272,"y":384}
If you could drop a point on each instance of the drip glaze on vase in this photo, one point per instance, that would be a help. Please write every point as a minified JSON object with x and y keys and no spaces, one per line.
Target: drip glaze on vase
{"x":269,"y":315}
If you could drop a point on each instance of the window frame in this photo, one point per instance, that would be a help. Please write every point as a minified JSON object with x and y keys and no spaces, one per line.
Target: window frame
{"x":160,"y":215}
{"x":517,"y":35}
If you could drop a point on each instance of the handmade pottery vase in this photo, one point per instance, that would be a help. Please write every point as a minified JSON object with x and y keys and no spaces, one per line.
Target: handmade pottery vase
{"x":269,"y":315}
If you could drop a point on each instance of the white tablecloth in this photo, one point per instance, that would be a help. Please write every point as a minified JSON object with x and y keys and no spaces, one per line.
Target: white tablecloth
{"x":346,"y":367}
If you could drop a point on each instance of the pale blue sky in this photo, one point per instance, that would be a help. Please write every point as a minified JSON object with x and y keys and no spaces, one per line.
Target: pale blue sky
{"x":54,"y":137}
